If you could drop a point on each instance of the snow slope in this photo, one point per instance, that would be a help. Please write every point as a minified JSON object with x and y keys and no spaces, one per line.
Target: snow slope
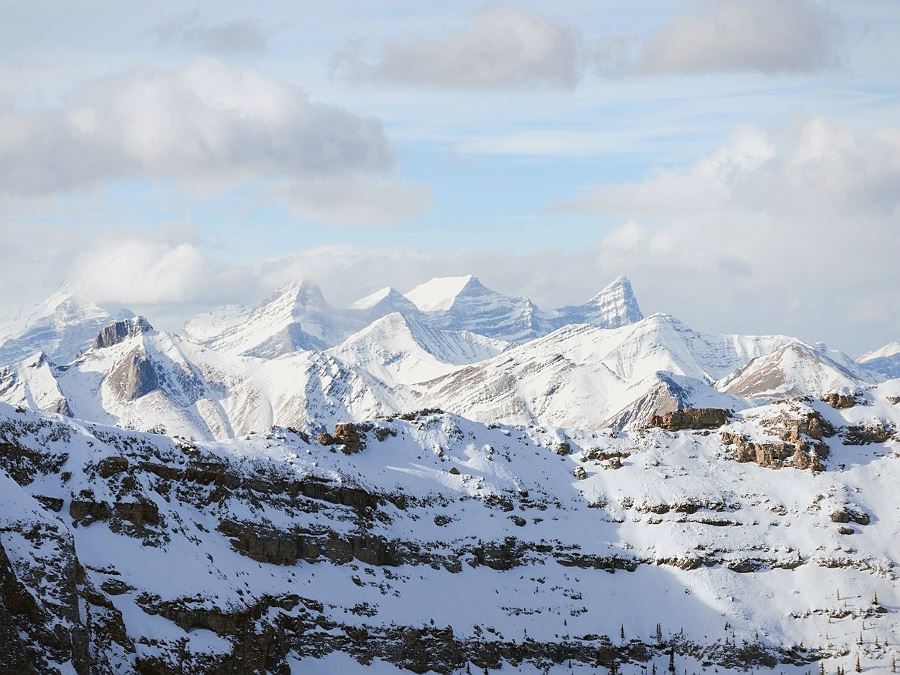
{"x":884,"y":361}
{"x":400,"y":349}
{"x":447,"y":544}
{"x":795,"y":369}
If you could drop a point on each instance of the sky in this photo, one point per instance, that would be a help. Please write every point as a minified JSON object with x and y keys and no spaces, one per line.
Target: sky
{"x":738,"y":160}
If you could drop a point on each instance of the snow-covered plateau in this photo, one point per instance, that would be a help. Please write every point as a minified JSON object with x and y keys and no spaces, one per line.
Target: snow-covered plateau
{"x":448,"y":480}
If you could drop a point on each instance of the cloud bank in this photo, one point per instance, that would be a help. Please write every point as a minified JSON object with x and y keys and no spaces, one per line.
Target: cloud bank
{"x":501,"y":46}
{"x":766,"y":36}
{"x":207,"y":125}
{"x":505,"y":46}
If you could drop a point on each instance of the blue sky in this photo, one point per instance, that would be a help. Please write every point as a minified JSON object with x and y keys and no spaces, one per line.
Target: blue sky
{"x":546,"y":147}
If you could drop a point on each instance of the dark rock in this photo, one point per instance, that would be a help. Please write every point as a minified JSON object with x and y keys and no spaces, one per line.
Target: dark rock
{"x":840,"y":400}
{"x":863,"y":434}
{"x":134,"y":377}
{"x":54,"y":504}
{"x":846,"y":515}
{"x":346,"y":434}
{"x":120,"y":331}
{"x":691,"y":418}
{"x":110,"y":466}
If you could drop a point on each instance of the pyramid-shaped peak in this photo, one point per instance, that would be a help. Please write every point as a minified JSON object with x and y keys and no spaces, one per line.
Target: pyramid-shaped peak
{"x":620,"y":285}
{"x":301,"y":292}
{"x":618,"y":303}
{"x":384,"y":297}
{"x":441,"y":292}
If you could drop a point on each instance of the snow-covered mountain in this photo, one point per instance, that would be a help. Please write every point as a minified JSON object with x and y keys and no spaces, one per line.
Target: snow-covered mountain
{"x":585,"y":377}
{"x":60,"y":328}
{"x":264,"y":368}
{"x":613,"y":307}
{"x":148,"y":379}
{"x":795,"y":369}
{"x":297,"y":317}
{"x":884,"y":361}
{"x":404,"y":350}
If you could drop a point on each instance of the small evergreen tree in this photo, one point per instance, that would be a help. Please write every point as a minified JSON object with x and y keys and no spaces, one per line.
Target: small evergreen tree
{"x":672,"y":660}
{"x":622,"y":631}
{"x":821,"y":668}
{"x":858,"y":668}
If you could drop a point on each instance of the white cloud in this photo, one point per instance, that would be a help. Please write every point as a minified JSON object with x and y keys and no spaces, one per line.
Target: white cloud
{"x":502,"y":46}
{"x":145,"y":272}
{"x":793,"y":232}
{"x":236,"y":36}
{"x":207,"y":124}
{"x":768,"y":36}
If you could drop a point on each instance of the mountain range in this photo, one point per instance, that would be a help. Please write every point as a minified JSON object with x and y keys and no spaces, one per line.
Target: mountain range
{"x":448,"y":480}
{"x":450,"y":343}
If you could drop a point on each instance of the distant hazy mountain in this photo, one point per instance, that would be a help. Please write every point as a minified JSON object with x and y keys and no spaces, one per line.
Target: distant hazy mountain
{"x":59,"y":327}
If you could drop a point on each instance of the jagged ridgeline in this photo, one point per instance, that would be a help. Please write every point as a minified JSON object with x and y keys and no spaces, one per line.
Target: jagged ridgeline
{"x":449,"y":480}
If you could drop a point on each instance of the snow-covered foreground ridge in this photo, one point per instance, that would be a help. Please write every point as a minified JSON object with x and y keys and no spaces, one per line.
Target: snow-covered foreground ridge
{"x":430,"y":542}
{"x":450,"y":479}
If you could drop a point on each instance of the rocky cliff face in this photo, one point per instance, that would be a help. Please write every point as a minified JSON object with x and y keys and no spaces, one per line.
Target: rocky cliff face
{"x":434,"y":543}
{"x":119,"y":331}
{"x":134,"y":377}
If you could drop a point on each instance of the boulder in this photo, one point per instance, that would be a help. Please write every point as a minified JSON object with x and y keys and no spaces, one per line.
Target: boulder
{"x":840,"y":400}
{"x":346,"y":434}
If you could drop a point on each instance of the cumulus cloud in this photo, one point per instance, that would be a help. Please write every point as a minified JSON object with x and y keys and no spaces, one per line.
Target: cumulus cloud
{"x":144,"y":272}
{"x":787,"y":230}
{"x":502,"y":46}
{"x":768,"y":36}
{"x":207,"y":124}
{"x":237,"y":36}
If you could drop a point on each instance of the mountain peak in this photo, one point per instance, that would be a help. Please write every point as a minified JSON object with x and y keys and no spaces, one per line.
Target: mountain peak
{"x":61,"y":326}
{"x":441,"y":292}
{"x":298,"y":293}
{"x":387,"y":299}
{"x":613,"y":307}
{"x":618,"y":303}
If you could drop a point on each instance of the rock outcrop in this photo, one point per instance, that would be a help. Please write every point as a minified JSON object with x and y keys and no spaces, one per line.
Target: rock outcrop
{"x":134,"y":377}
{"x":351,"y":437}
{"x":691,"y":418}
{"x":120,"y":331}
